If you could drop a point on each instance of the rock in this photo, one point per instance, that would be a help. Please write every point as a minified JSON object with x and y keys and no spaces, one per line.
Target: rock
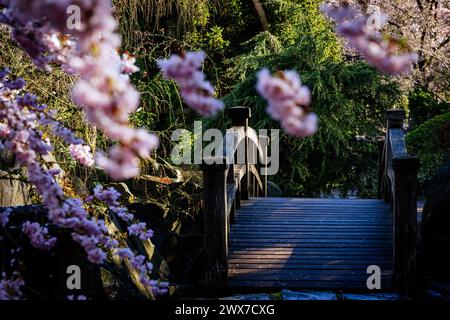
{"x":14,"y":191}
{"x":79,"y":186}
{"x":52,"y":163}
{"x":153,"y":213}
{"x":273,"y":190}
{"x":307,"y":295}
{"x":436,"y":223}
{"x":371,"y":296}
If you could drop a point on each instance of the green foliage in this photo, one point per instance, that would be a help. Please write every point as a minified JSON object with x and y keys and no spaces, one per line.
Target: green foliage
{"x":429,"y":142}
{"x":161,"y":110}
{"x":242,"y":66}
{"x":173,"y":18}
{"x":424,"y":106}
{"x":213,"y":40}
{"x":238,"y":19}
{"x":298,"y":21}
{"x":350,"y":99}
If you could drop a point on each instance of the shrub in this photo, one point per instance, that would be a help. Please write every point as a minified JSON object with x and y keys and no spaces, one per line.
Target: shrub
{"x":423,"y":106}
{"x":429,"y":142}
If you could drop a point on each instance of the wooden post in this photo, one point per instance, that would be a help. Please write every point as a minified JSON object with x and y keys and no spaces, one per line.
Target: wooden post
{"x":237,"y":198}
{"x":232,"y":215}
{"x":405,"y":222}
{"x":264,"y":140}
{"x":394,"y":118}
{"x":215,"y":223}
{"x":231,"y":206}
{"x":400,"y":169}
{"x":381,"y":175}
{"x":239,"y":117}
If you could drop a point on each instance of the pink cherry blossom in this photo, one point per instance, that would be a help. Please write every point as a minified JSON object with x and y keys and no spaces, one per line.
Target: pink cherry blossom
{"x":198,"y":93}
{"x":381,"y":51}
{"x":159,"y":287}
{"x":110,"y":197}
{"x":103,"y":88}
{"x":288,"y":101}
{"x":140,"y":229}
{"x":26,"y":141}
{"x":10,"y":288}
{"x":128,"y":64}
{"x":120,"y":164}
{"x":302,"y":127}
{"x":4,"y":216}
{"x":82,"y":154}
{"x":38,"y":235}
{"x":76,"y":297}
{"x":124,"y":253}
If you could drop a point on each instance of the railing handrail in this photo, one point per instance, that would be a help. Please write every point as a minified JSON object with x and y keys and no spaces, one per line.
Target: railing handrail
{"x":397,"y":185}
{"x":225,"y":183}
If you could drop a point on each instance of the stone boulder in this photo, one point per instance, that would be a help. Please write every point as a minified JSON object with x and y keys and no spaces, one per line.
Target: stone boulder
{"x":14,"y":190}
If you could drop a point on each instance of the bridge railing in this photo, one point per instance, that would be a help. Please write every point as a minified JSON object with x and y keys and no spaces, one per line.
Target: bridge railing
{"x":227,"y":179}
{"x":397,"y":185}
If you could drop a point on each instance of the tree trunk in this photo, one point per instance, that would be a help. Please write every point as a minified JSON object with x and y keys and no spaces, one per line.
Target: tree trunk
{"x":261,"y":14}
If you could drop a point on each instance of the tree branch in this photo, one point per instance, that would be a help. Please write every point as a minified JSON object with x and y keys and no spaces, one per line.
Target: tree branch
{"x":261,"y":14}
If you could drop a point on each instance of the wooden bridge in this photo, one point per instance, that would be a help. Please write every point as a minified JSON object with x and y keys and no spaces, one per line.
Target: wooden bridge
{"x":310,"y":243}
{"x":256,"y":241}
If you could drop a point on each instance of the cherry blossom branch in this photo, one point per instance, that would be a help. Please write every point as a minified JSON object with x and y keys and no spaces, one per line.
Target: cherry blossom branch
{"x":288,"y":101}
{"x":198,"y":93}
{"x":19,"y":114}
{"x":88,"y":50}
{"x":381,"y":51}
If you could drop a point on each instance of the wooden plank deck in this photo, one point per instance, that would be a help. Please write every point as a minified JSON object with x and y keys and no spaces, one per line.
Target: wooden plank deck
{"x":310,"y":243}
